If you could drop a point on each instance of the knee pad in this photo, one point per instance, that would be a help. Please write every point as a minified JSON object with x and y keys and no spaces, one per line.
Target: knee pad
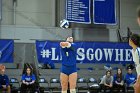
{"x":72,"y":91}
{"x":64,"y":91}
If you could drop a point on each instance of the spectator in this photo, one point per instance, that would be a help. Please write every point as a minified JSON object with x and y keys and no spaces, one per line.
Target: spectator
{"x":107,"y":82}
{"x":119,"y":81}
{"x":4,"y":80}
{"x":130,"y":78}
{"x":28,"y":81}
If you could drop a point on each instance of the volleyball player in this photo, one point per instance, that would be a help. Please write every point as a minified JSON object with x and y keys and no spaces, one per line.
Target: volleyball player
{"x":134,"y":42}
{"x":68,"y":70}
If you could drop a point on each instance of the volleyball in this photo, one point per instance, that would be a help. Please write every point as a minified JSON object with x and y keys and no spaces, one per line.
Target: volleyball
{"x":64,"y":24}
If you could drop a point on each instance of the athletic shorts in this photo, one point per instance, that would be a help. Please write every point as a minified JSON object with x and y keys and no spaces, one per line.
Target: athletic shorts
{"x":68,"y":69}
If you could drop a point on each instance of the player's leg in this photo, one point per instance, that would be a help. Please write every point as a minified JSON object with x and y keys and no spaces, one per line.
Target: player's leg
{"x":64,"y":82}
{"x":137,"y":85}
{"x":72,"y":82}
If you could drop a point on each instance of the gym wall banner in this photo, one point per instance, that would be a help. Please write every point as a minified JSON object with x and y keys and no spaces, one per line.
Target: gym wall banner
{"x":6,"y":51}
{"x":104,"y":12}
{"x":78,"y":11}
{"x":87,"y":52}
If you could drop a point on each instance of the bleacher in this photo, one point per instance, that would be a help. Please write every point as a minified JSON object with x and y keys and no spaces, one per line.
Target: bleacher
{"x":47,"y":78}
{"x":86,"y":71}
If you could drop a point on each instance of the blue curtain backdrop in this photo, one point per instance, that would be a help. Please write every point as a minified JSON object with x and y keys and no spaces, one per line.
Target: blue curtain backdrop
{"x":6,"y":51}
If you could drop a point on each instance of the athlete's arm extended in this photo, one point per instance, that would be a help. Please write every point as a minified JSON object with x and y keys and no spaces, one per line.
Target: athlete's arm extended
{"x":65,"y":44}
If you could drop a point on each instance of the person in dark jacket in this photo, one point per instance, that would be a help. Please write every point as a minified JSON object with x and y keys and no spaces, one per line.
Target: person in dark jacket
{"x":119,"y":81}
{"x":4,"y":80}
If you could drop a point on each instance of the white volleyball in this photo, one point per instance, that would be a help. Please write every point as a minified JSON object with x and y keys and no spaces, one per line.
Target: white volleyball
{"x":64,"y":24}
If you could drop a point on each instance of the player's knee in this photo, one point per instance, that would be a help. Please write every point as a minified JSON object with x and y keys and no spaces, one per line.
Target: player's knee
{"x":72,"y":85}
{"x":64,"y":91}
{"x":72,"y":90}
{"x":64,"y":88}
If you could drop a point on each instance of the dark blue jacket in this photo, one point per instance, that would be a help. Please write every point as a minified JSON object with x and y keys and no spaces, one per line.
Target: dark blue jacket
{"x":4,"y":80}
{"x":119,"y":80}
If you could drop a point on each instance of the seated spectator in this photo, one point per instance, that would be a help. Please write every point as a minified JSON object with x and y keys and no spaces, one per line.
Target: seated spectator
{"x":119,"y":81}
{"x":4,"y":80}
{"x":28,"y":81}
{"x":107,"y":82}
{"x":130,"y":78}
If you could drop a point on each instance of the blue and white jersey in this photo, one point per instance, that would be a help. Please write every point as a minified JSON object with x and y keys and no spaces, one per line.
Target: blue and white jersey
{"x":130,"y":79}
{"x":136,"y":59}
{"x":28,"y":78}
{"x":69,"y":55}
{"x":136,"y":55}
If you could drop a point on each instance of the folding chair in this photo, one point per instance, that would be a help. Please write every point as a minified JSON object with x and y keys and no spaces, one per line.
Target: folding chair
{"x":44,"y":85}
{"x":55,"y":85}
{"x":93,"y":86}
{"x":129,"y":89}
{"x":82,"y":85}
{"x":15,"y":85}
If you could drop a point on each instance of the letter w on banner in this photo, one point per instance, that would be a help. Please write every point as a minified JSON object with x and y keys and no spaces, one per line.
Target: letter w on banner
{"x":6,"y":51}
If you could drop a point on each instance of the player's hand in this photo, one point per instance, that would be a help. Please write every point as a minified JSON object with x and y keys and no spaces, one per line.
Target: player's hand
{"x":30,"y":83}
{"x":121,"y":84}
{"x":26,"y":83}
{"x":64,"y":44}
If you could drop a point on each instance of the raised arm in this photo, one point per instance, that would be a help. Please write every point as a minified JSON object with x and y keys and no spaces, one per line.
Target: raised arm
{"x":65,"y":44}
